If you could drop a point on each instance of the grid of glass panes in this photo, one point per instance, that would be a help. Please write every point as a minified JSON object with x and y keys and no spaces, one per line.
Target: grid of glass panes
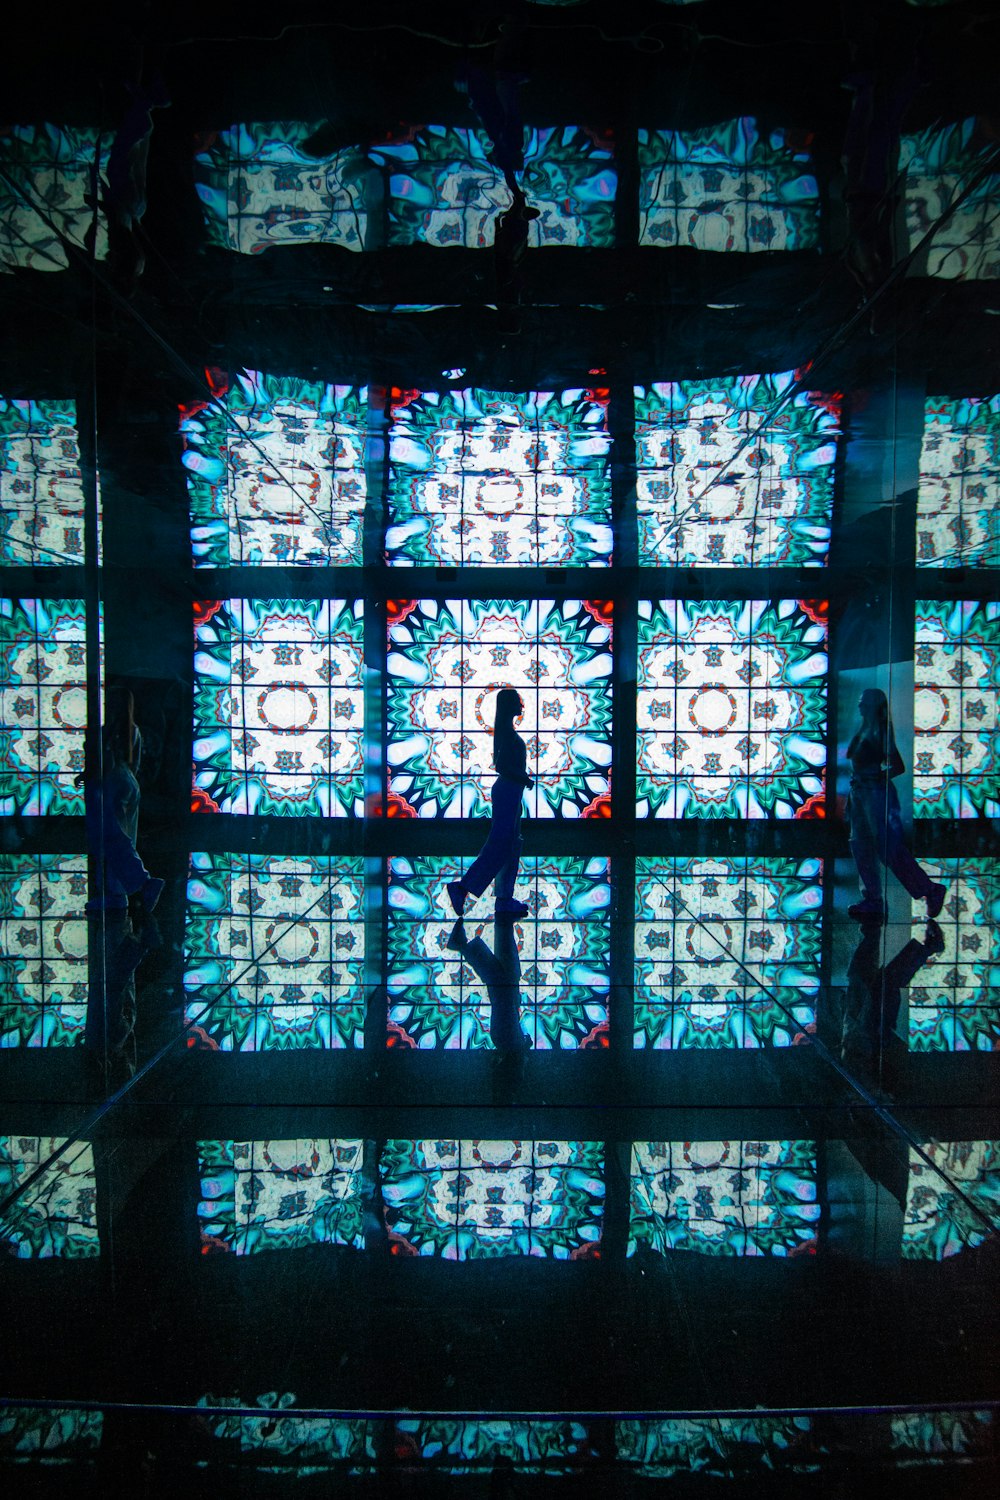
{"x":956,"y":753}
{"x":43,"y":705}
{"x":50,"y":193}
{"x":958,"y":499}
{"x":41,"y":488}
{"x":43,"y":938}
{"x":279,"y":1195}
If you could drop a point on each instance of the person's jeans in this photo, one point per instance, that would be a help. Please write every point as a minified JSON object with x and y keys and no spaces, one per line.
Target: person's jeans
{"x":500,"y":856}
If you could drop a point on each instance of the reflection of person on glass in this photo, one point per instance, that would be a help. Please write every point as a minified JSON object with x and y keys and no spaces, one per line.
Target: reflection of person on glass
{"x":874,"y":990}
{"x":873,"y":812}
{"x":501,"y":854}
{"x":500,"y":970}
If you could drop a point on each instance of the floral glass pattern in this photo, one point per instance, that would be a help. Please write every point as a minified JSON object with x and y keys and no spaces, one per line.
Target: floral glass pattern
{"x":43,"y":949}
{"x":727,"y":951}
{"x":956,"y":743}
{"x":278,"y":707}
{"x":50,"y":1435}
{"x":279,"y":1195}
{"x":939,"y":1221}
{"x":556,"y":968}
{"x":477,"y":1200}
{"x":54,"y":167}
{"x":43,"y":705}
{"x":448,"y":659}
{"x":954,"y":1002}
{"x":723,"y":1446}
{"x":727,"y":187}
{"x":275,"y":952}
{"x":958,"y":500}
{"x":41,"y":488}
{"x":501,"y":479}
{"x":460,"y":1445}
{"x":57,"y":1215}
{"x":286,"y":1442}
{"x":731,"y":708}
{"x":939,"y":164}
{"x":275,"y":472}
{"x":724,"y":1197}
{"x":734,"y":473}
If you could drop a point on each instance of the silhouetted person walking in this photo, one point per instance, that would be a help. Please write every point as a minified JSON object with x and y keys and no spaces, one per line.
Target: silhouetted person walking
{"x":501,"y":854}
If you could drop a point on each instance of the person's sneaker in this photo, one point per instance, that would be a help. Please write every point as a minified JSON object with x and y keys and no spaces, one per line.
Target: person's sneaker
{"x":456,"y":895}
{"x":508,"y":908}
{"x":456,"y":939}
{"x":869,"y":906}
{"x":935,"y":900}
{"x":933,"y":938}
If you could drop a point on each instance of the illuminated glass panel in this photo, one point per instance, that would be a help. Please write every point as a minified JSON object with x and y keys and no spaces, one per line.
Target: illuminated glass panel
{"x":279,"y":1195}
{"x":731,"y":708}
{"x":940,"y":163}
{"x":954,"y":1000}
{"x":727,"y":951}
{"x":447,"y":661}
{"x":942,"y":1435}
{"x":556,"y":965}
{"x":939,"y":1222}
{"x":725,"y":1446}
{"x":56,"y":1216}
{"x":459,"y":1445}
{"x":477,"y":1200}
{"x":499,"y":479}
{"x":276,"y":472}
{"x":958,"y":501}
{"x":259,"y":188}
{"x":444,"y":190}
{"x":41,"y":490}
{"x":278,"y":707}
{"x":43,"y":705}
{"x":727,"y":187}
{"x":275,"y":951}
{"x":956,"y":738}
{"x":724,"y":1197}
{"x":289,"y":1442}
{"x":54,"y":167}
{"x":49,"y":1435}
{"x":43,"y":949}
{"x":726,"y":479}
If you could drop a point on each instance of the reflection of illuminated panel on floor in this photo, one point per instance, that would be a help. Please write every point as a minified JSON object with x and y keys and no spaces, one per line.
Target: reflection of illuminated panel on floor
{"x":293,"y":1445}
{"x":724,"y":1197}
{"x":275,"y":951}
{"x":727,"y":951}
{"x":49,"y":1435}
{"x":43,"y":949}
{"x":278,"y":477}
{"x":722,"y":483}
{"x":956,"y":736}
{"x":41,"y":488}
{"x":938,"y":1436}
{"x":53,"y":168}
{"x":56,"y":1216}
{"x":731,"y":708}
{"x":501,"y":479}
{"x":724,"y":1446}
{"x":940,"y":163}
{"x":475,"y":1200}
{"x":958,"y":501}
{"x":278,"y":707}
{"x":448,"y":659}
{"x":954,"y":1000}
{"x":939,"y":1222}
{"x":279,"y":1195}
{"x":554,"y":963}
{"x":459,"y":1445}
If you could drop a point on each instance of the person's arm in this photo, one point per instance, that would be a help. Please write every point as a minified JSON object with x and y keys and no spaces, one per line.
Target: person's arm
{"x":895,"y":765}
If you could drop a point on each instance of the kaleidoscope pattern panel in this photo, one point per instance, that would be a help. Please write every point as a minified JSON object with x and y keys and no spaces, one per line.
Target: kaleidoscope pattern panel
{"x":275,"y":952}
{"x":443,"y":189}
{"x":485,"y":477}
{"x":43,"y":705}
{"x":279,"y":1195}
{"x":939,"y":164}
{"x":278,"y":707}
{"x":50,"y":1435}
{"x":447,"y":661}
{"x":43,"y":949}
{"x":731,"y":708}
{"x":542,"y":981}
{"x":723,"y":1446}
{"x":458,"y":1445}
{"x":286,"y":1442}
{"x":275,"y":472}
{"x":51,"y":170}
{"x":940,"y":1218}
{"x":479,"y":1200}
{"x":728,"y":187}
{"x":259,"y":188}
{"x":41,"y":488}
{"x":958,"y":500}
{"x":954,"y":1000}
{"x":57,"y":1215}
{"x":735,"y":472}
{"x":935,"y":1435}
{"x":727,"y":952}
{"x":724,"y":1197}
{"x":956,"y":737}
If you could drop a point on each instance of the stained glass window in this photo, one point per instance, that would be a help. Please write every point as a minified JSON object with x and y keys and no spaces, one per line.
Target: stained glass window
{"x":275,"y":472}
{"x":728,"y":187}
{"x":506,"y":480}
{"x":284,"y":1442}
{"x":727,"y":951}
{"x":940,"y":163}
{"x":476,"y":1200}
{"x":958,"y":501}
{"x":43,"y":949}
{"x":956,"y":752}
{"x":49,"y":1435}
{"x":41,"y":490}
{"x":954,"y":1000}
{"x":730,"y":474}
{"x":724,"y":1446}
{"x":938,"y":1221}
{"x":447,"y":660}
{"x":444,"y":190}
{"x":43,"y":705}
{"x":278,"y":707}
{"x":554,"y":966}
{"x":56,"y":1215}
{"x":458,"y":1445}
{"x":275,"y":951}
{"x":942,"y":1435}
{"x":259,"y":188}
{"x":279,"y":1195}
{"x":731,"y":708}
{"x":724,"y":1197}
{"x":57,"y":169}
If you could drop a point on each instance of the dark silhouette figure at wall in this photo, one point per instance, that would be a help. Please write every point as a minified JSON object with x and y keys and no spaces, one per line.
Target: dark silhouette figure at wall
{"x":874,"y":993}
{"x":499,"y":968}
{"x":501,"y":854}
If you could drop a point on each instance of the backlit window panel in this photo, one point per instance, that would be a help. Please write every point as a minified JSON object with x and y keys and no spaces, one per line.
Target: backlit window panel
{"x":958,"y":501}
{"x":56,"y":1217}
{"x":50,"y":1435}
{"x":58,"y":175}
{"x":939,"y":1221}
{"x":285,"y":1442}
{"x":459,"y":1445}
{"x":41,"y":488}
{"x":954,"y":999}
{"x":956,"y":675}
{"x":722,"y":1446}
{"x":43,"y":949}
{"x":939,"y":164}
{"x":43,"y":705}
{"x":279,"y":1195}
